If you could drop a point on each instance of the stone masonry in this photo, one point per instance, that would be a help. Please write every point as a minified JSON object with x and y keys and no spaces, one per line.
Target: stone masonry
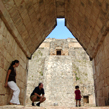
{"x":101,"y":74}
{"x":28,"y":22}
{"x":58,"y":81}
{"x":48,"y":107}
{"x":8,"y":43}
{"x":71,"y":68}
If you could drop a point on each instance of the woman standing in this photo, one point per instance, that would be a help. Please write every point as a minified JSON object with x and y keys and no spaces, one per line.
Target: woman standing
{"x":11,"y":82}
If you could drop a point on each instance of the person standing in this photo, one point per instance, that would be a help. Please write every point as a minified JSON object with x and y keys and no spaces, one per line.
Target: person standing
{"x":11,"y":82}
{"x":77,"y":95}
{"x":36,"y":95}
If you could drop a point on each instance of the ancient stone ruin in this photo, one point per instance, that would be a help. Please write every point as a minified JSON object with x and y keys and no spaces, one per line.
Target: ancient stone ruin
{"x":24,"y":24}
{"x":61,"y":64}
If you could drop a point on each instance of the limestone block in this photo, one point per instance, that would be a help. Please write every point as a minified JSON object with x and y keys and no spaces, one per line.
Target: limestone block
{"x":6,"y":64}
{"x":9,"y":4}
{"x":105,"y":92}
{"x":97,"y":28}
{"x":95,"y":34}
{"x":106,"y":64}
{"x":9,"y":58}
{"x":1,"y":44}
{"x":101,"y":77}
{"x":23,"y":12}
{"x":1,"y":61}
{"x":21,"y":93}
{"x":26,"y":19}
{"x":1,"y":100}
{"x":1,"y":26}
{"x":9,"y":107}
{"x":33,"y":16}
{"x":91,"y":99}
{"x":99,"y":93}
{"x":74,"y":45}
{"x":101,"y":84}
{"x":1,"y":88}
{"x":4,"y":73}
{"x":99,"y":23}
{"x":20,"y":84}
{"x":15,"y":15}
{"x":43,"y":45}
{"x":29,"y":7}
{"x":107,"y":73}
{"x":5,"y":99}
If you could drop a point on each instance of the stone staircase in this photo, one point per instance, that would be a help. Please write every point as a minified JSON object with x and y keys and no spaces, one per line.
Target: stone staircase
{"x":53,"y":107}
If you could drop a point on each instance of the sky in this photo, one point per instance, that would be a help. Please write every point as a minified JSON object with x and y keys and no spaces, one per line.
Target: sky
{"x":60,"y":31}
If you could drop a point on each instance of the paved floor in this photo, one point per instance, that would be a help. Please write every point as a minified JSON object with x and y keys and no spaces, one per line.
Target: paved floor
{"x":26,"y":107}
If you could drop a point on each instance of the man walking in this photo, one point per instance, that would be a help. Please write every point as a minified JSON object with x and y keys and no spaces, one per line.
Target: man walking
{"x":38,"y":95}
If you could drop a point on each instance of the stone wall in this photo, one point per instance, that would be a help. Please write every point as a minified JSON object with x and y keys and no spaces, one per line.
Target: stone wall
{"x":44,"y":66}
{"x":62,"y":45}
{"x":58,"y":81}
{"x":35,"y":71}
{"x":83,"y":73}
{"x":9,"y":51}
{"x":101,"y":73}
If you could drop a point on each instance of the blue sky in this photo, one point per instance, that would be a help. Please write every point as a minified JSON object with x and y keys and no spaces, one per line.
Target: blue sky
{"x":60,"y":31}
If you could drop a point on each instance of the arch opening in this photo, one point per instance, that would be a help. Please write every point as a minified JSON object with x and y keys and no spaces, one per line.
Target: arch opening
{"x":63,"y":63}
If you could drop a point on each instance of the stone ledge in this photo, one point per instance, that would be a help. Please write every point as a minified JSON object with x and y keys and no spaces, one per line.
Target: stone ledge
{"x":51,"y":107}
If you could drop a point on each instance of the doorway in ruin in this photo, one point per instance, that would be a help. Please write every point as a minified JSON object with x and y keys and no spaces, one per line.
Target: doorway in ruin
{"x":58,"y":52}
{"x":86,"y":99}
{"x":60,"y":63}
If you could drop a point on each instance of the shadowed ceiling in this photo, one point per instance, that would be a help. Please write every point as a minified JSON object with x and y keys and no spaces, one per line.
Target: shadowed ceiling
{"x":30,"y":21}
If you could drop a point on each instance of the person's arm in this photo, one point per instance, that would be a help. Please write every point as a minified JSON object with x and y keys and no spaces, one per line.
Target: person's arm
{"x":75,"y":94}
{"x":37,"y":95}
{"x":42,"y":95}
{"x":80,"y":95}
{"x":6,"y":83}
{"x":15,"y":76}
{"x":43,"y":92}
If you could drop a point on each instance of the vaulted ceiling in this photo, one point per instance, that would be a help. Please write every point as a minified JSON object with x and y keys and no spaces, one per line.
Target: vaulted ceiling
{"x":30,"y":21}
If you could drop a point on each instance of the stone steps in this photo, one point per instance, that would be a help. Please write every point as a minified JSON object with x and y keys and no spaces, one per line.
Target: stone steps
{"x":52,"y":107}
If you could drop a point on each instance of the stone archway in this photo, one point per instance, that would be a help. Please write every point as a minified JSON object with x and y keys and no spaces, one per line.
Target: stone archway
{"x":24,"y":24}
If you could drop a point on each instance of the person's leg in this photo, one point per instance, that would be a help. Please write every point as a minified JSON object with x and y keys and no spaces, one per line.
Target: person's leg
{"x":76,"y":102}
{"x":33,"y":99}
{"x":79,"y":102}
{"x":40,"y":101}
{"x":16,"y":91}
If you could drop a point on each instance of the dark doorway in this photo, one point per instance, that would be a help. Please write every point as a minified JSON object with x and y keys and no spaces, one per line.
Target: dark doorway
{"x":59,"y":52}
{"x":86,"y":99}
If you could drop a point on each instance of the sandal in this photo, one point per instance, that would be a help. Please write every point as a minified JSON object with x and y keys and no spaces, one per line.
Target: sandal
{"x":11,"y":103}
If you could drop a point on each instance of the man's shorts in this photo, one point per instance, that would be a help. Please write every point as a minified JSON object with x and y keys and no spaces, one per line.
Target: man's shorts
{"x":37,"y":99}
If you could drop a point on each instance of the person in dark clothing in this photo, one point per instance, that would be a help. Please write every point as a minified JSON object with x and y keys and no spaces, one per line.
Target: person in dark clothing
{"x":36,"y":95}
{"x":77,"y":95}
{"x":11,"y":82}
